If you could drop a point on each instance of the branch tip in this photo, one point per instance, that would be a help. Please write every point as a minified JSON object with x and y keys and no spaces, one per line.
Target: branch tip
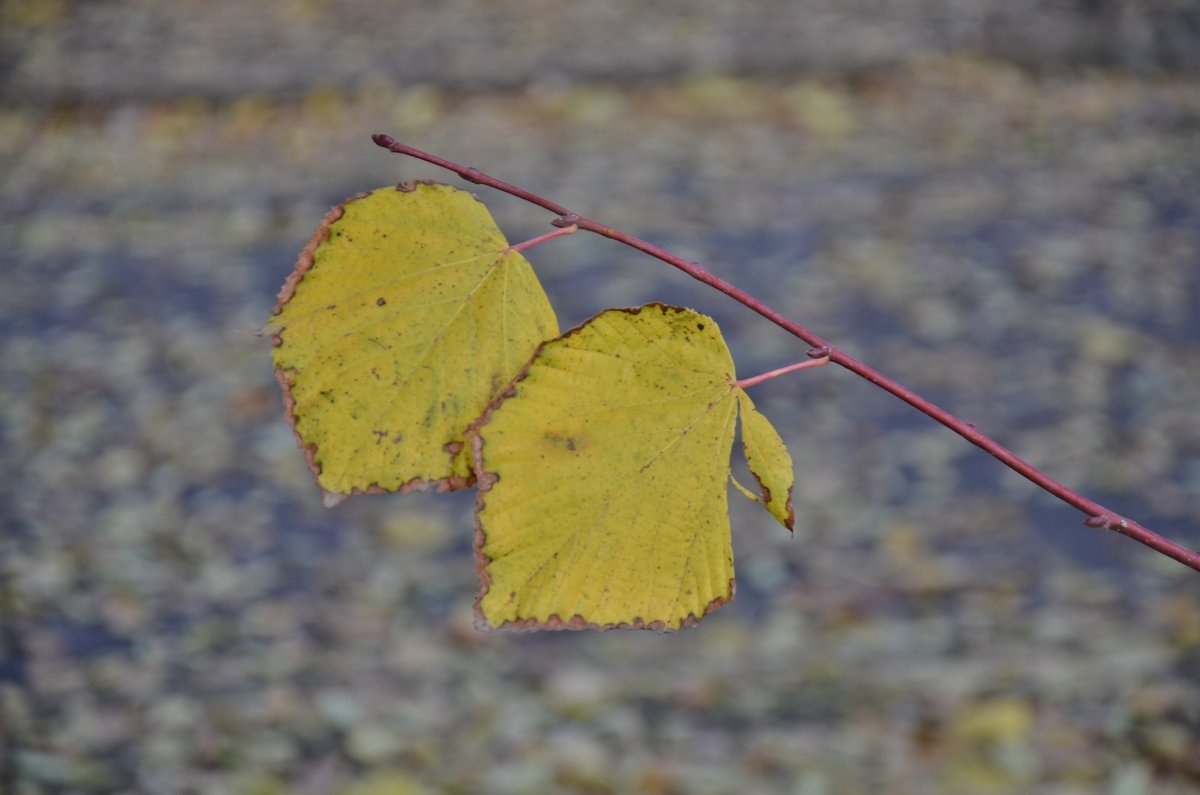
{"x":384,"y":140}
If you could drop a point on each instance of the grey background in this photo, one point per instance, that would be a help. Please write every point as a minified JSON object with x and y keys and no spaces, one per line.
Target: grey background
{"x":997,"y":203}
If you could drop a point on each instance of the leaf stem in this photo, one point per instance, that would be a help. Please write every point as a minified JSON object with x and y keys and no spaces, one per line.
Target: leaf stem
{"x":528,"y":244}
{"x":1098,"y":515}
{"x":791,"y":368}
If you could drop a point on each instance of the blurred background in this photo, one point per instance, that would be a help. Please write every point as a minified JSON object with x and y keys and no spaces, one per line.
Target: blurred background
{"x":997,"y":203}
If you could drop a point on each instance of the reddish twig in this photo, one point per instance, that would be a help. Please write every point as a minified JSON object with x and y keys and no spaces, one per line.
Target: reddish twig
{"x":1098,"y":515}
{"x":528,"y":244}
{"x":791,"y":368}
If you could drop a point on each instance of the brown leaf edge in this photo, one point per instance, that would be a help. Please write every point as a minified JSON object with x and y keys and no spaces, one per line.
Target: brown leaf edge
{"x":790,"y":524}
{"x":485,"y":480}
{"x":305,"y":263}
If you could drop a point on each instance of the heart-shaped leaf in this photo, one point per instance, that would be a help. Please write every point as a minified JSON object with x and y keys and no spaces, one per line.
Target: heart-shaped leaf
{"x":406,"y":314}
{"x":603,"y":474}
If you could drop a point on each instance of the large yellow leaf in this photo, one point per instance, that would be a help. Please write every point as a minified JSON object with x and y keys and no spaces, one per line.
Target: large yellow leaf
{"x":406,"y":314}
{"x":603,"y":478}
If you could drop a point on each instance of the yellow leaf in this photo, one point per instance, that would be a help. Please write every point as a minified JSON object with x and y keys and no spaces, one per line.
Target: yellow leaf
{"x":998,"y":720}
{"x":406,"y":314}
{"x":385,"y":782}
{"x":769,"y":461}
{"x":603,"y":478}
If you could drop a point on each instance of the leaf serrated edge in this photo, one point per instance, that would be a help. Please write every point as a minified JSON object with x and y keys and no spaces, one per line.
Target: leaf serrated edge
{"x":334,"y":498}
{"x":485,"y":480}
{"x":304,"y":262}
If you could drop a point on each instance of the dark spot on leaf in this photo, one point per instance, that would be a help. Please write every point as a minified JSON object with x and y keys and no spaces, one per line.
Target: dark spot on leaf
{"x":380,"y":302}
{"x":379,"y":436}
{"x":700,"y":326}
{"x":328,"y":395}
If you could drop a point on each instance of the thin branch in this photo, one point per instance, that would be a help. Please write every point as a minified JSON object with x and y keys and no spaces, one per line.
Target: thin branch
{"x":1098,"y":515}
{"x":791,"y":368}
{"x":528,"y":244}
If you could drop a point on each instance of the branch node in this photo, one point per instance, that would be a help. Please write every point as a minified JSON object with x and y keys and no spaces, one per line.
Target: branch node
{"x":472,"y":174}
{"x":819,"y":352}
{"x":1103,"y":520}
{"x":570,"y":219}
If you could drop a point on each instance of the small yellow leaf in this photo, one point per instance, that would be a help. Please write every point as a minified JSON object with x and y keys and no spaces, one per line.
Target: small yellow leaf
{"x":603,"y":476}
{"x":997,"y":720}
{"x":407,"y":313}
{"x":769,"y":461}
{"x":385,"y":782}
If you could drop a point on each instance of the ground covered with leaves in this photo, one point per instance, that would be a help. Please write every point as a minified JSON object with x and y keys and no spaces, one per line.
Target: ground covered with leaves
{"x":1015,"y":236}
